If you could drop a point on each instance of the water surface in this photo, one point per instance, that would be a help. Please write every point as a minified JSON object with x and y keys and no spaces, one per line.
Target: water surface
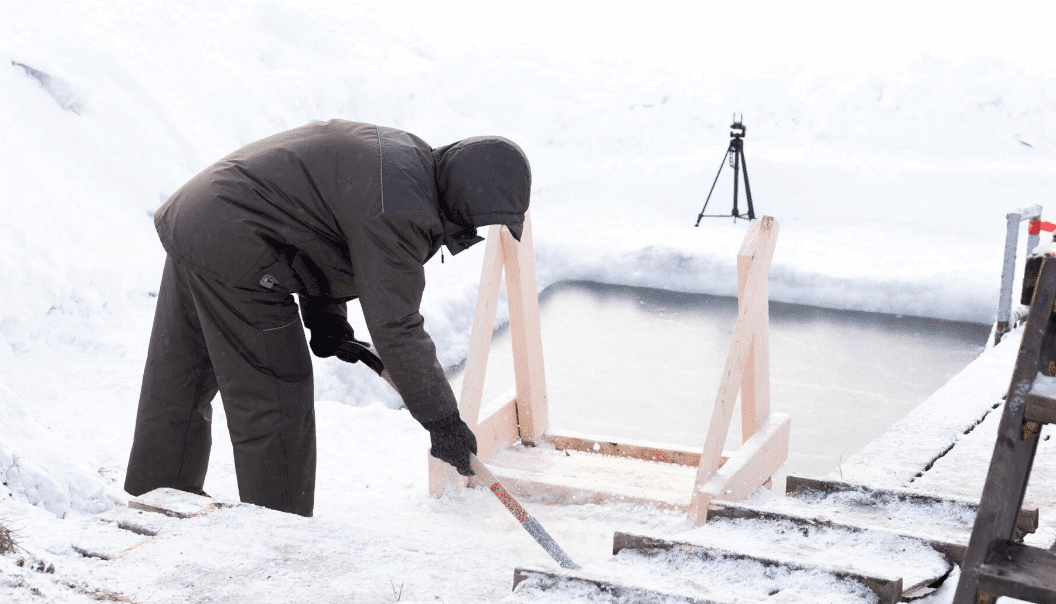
{"x":646,"y":364}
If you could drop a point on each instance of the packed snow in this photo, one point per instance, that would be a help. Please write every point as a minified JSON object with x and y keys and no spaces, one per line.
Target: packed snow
{"x":888,"y":152}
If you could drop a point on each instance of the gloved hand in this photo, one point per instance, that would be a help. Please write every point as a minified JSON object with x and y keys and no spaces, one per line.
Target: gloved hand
{"x":452,"y":442}
{"x":354,"y":351}
{"x":328,"y":332}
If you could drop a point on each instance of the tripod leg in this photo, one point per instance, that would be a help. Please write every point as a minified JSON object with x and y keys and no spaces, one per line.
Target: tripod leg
{"x":747,"y":189}
{"x":736,"y":170}
{"x":724,"y":156}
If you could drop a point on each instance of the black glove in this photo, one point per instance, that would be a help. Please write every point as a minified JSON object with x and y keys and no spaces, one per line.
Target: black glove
{"x":452,"y":442}
{"x":328,"y":332}
{"x":354,"y":351}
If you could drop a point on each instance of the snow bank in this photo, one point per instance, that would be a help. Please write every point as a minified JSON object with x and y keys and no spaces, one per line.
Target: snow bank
{"x":43,"y":468}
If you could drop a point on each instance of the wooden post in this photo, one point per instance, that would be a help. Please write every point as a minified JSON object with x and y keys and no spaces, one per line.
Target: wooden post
{"x":526,"y":334}
{"x":483,"y":327}
{"x":758,"y":251}
{"x":755,"y":383}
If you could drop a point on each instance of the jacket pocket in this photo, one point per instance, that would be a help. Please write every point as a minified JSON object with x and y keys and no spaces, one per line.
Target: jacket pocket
{"x":275,"y":274}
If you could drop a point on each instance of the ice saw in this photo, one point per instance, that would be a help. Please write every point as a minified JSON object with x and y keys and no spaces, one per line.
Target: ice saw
{"x":352,"y":351}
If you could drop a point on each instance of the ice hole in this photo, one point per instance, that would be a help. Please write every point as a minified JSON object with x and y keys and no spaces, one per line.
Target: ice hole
{"x":642,"y":363}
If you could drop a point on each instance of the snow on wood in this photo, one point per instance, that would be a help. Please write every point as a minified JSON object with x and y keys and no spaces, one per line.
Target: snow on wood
{"x":871,"y":553}
{"x":607,"y":589}
{"x":136,"y":520}
{"x":632,"y":576}
{"x":894,"y":503}
{"x":173,"y":502}
{"x":888,"y":590}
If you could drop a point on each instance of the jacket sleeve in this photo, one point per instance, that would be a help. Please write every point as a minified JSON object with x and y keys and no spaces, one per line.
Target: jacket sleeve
{"x":388,"y":253}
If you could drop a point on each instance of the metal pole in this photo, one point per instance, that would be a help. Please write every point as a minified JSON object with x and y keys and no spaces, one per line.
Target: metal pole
{"x":1008,"y":270}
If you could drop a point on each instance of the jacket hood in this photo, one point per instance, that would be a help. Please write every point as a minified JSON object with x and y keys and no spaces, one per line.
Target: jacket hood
{"x":481,"y":180}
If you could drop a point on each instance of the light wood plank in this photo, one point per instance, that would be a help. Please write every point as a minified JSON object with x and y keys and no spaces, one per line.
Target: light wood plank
{"x":525,"y":333}
{"x":483,"y":328}
{"x":443,"y":477}
{"x":747,"y":469}
{"x":755,"y":382}
{"x":497,"y":431}
{"x":749,"y":417}
{"x":605,"y":445}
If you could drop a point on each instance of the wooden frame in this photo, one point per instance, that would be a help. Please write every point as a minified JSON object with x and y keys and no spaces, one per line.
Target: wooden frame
{"x":524,"y":418}
{"x":764,"y":435}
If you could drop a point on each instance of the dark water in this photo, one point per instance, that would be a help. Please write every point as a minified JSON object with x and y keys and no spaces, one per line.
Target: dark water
{"x":646,"y":364}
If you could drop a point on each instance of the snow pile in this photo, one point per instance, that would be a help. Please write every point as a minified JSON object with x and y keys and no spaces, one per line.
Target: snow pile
{"x":43,"y":468}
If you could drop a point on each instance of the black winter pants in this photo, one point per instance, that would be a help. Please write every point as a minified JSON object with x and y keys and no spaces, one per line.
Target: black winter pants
{"x":249,"y":345}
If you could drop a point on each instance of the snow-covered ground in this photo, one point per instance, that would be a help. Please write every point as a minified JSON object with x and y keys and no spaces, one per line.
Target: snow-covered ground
{"x":888,"y":145}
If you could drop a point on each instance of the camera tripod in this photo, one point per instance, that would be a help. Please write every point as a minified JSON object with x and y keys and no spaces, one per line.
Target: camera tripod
{"x":735,"y":153}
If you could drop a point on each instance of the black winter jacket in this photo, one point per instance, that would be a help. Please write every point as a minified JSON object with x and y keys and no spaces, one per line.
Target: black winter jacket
{"x":339,"y":210}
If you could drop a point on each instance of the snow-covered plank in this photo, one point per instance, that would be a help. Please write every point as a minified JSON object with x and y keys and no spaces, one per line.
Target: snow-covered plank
{"x":614,"y":590}
{"x":952,"y":551}
{"x":1041,"y":400}
{"x":690,"y":577}
{"x":888,"y":590}
{"x":134,"y":520}
{"x":872,"y":553}
{"x":93,"y":539}
{"x":173,"y":502}
{"x":801,"y":486}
